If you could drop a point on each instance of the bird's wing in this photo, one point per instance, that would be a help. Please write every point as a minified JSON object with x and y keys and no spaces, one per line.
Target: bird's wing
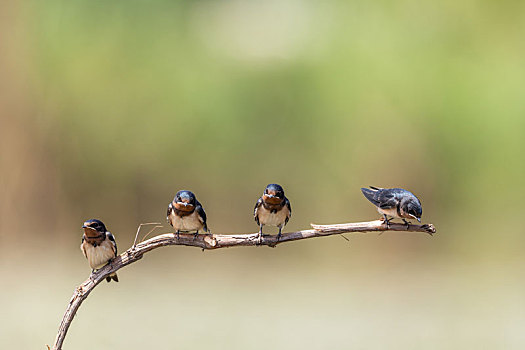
{"x":202,"y":215}
{"x":387,"y":199}
{"x":170,"y":208}
{"x":287,"y":203}
{"x":380,"y":197}
{"x":82,"y":247}
{"x":112,"y":239}
{"x":256,"y":209}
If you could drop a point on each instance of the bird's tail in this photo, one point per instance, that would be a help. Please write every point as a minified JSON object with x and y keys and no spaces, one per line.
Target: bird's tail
{"x":113,"y":277}
{"x":370,"y":195}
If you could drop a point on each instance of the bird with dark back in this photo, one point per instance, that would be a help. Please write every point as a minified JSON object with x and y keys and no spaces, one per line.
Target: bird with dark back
{"x":394,"y":202}
{"x":98,"y":246}
{"x":272,"y":209}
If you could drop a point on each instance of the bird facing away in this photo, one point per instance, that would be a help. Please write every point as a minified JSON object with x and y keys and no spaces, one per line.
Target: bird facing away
{"x":272,"y":209}
{"x":185,"y":214}
{"x":98,"y":245}
{"x":394,"y":202}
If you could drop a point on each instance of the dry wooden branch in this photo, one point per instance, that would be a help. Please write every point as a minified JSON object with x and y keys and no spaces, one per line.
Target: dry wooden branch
{"x":213,"y":241}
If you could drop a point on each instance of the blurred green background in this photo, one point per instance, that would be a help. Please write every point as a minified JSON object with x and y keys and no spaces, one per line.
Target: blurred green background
{"x":108,"y":108}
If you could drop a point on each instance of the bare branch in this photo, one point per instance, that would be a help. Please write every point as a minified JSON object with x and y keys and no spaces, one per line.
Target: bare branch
{"x":214,"y":241}
{"x":378,"y":225}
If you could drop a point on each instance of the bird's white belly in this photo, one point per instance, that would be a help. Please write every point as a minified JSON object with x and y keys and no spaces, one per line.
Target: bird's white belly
{"x":99,"y":256}
{"x":272,"y":219}
{"x":190,"y":222}
{"x":390,"y":212}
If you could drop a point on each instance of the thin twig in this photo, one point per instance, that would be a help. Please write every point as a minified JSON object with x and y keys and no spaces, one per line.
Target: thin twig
{"x":346,"y":239}
{"x":138,"y":230}
{"x":213,"y":241}
{"x":150,"y":231}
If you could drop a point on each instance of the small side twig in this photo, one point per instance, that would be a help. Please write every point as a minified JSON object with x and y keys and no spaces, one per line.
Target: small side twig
{"x":138,"y":230}
{"x":150,"y":231}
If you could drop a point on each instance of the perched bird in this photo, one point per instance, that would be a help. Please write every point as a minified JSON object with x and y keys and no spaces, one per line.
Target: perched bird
{"x":394,"y":202}
{"x":98,"y":245}
{"x":272,"y":209}
{"x":185,"y":213}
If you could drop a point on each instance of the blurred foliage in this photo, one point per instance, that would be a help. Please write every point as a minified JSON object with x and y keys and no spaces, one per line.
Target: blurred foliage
{"x":109,"y":108}
{"x":133,"y":101}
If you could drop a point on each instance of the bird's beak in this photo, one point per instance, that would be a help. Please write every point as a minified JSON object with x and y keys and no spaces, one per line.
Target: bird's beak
{"x":84,"y":226}
{"x":418,"y":219}
{"x":270,"y":195}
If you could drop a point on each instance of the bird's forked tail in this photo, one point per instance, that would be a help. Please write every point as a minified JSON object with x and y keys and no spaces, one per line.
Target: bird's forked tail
{"x":371,"y":195}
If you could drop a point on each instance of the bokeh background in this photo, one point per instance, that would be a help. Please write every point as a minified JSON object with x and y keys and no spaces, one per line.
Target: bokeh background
{"x":108,"y":108}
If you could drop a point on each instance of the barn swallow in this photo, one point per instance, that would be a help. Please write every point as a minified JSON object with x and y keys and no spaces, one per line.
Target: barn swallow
{"x":185,"y":213}
{"x":394,"y":202}
{"x":98,"y":245}
{"x":272,"y":209}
